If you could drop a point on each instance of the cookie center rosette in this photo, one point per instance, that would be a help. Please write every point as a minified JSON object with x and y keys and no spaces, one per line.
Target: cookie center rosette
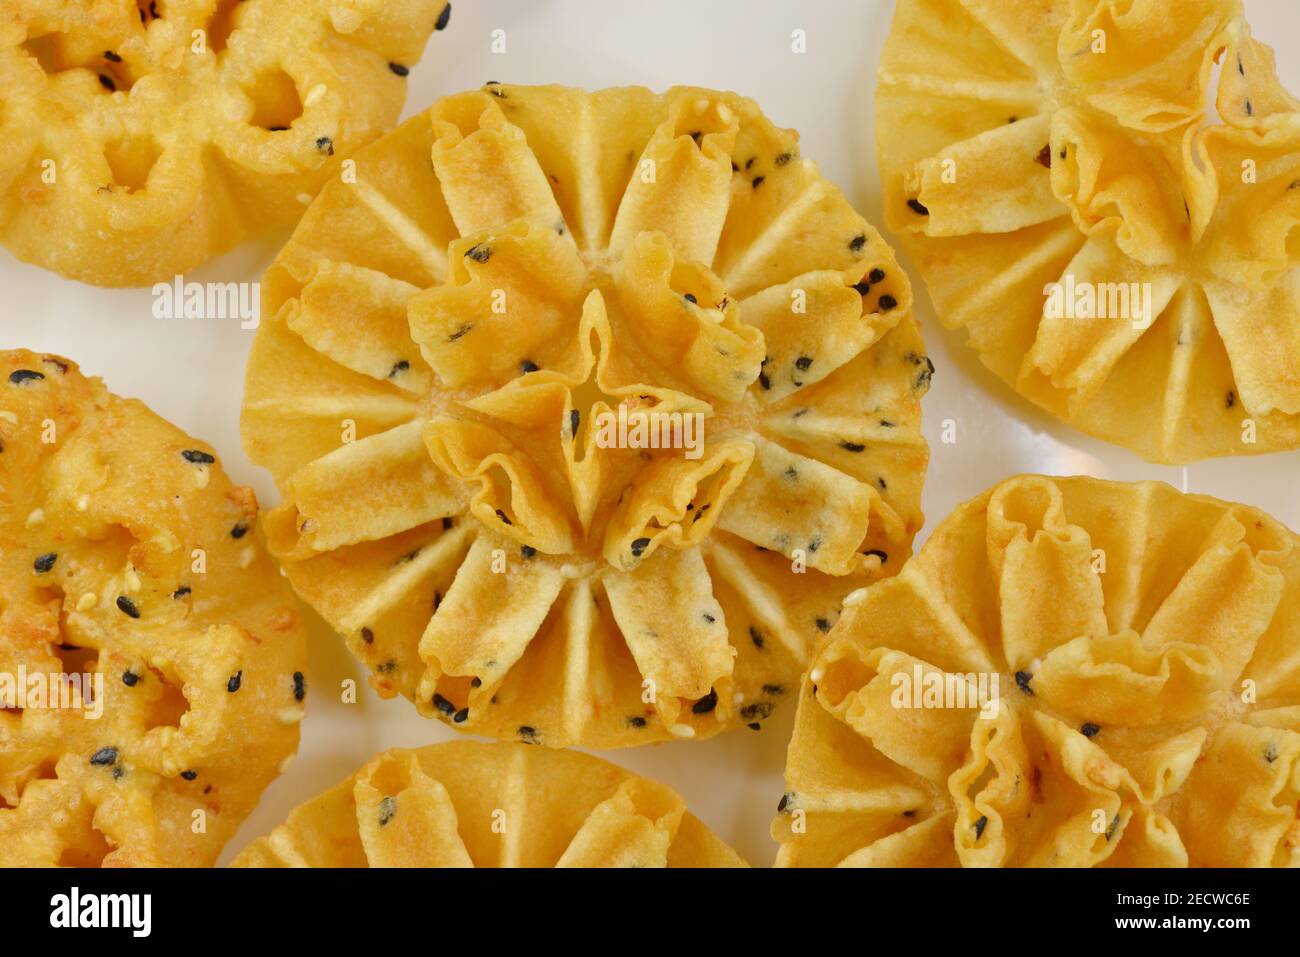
{"x":1142,"y":647}
{"x":1106,"y":200}
{"x":636,"y":401}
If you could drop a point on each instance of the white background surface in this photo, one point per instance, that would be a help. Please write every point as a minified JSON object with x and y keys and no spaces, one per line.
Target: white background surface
{"x":191,"y":372}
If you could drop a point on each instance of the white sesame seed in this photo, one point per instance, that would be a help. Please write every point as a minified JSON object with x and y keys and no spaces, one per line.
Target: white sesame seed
{"x":87,"y":601}
{"x":247,"y":556}
{"x":682,"y":731}
{"x":201,"y":476}
{"x":36,"y":517}
{"x":82,"y":503}
{"x":314,"y":95}
{"x":290,"y":716}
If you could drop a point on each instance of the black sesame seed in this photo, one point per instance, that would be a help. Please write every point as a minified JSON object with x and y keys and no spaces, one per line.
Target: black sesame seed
{"x":690,"y":297}
{"x":638,"y":546}
{"x":480,"y":253}
{"x":528,"y":733}
{"x":764,"y":381}
{"x":757,"y":181}
{"x":757,"y":711}
{"x":636,"y":721}
{"x":887,"y":302}
{"x":443,"y":18}
{"x":401,"y":365}
{"x":107,"y":83}
{"x":276,"y":129}
{"x":815,"y":544}
{"x":857,"y":242}
{"x":504,"y":517}
{"x":1110,"y":831}
{"x":437,"y":600}
{"x":783,"y":158}
{"x":460,"y":716}
{"x":118,"y":773}
{"x":1270,"y":753}
{"x":706,"y":704}
{"x":878,"y":553}
{"x":196,"y":457}
{"x":709,"y":619}
{"x":574,"y":419}
{"x":1089,"y":729}
{"x":1231,"y":399}
{"x":861,"y":288}
{"x":750,"y":162}
{"x":127,"y":607}
{"x":45,"y":562}
{"x":754,"y":726}
{"x":528,"y":365}
{"x":235,"y":681}
{"x":756,"y":636}
{"x":398,"y":68}
{"x":447,"y":522}
{"x":803,"y":362}
{"x":387,"y":809}
{"x":1044,"y":157}
{"x":181,"y":592}
{"x":980,"y":825}
{"x":112,"y":57}
{"x":443,"y":705}
{"x":104,"y":756}
{"x":823,"y":625}
{"x":916,"y":206}
{"x":786,"y":800}
{"x":189,"y":775}
{"x":1250,"y":110}
{"x":299,"y":686}
{"x":848,"y":446}
{"x":130,"y":679}
{"x":876,"y":275}
{"x":886,"y":424}
{"x":1022,"y":680}
{"x":325,"y":145}
{"x":476,"y":682}
{"x":774,"y":690}
{"x":527,"y":551}
{"x":239,"y":531}
{"x":19,"y":376}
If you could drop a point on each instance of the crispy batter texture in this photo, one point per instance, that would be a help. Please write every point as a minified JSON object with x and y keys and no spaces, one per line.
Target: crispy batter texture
{"x":1146,"y":645}
{"x":471,"y":804}
{"x":134,"y":151}
{"x":1071,"y":142}
{"x":442,"y":339}
{"x":122,"y":558}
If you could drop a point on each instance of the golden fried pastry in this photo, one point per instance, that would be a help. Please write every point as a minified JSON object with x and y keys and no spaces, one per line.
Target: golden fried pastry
{"x":150,"y":656}
{"x":472,"y":804}
{"x":143,"y":138}
{"x":1070,"y":673}
{"x":587,"y":409}
{"x":1113,"y":250}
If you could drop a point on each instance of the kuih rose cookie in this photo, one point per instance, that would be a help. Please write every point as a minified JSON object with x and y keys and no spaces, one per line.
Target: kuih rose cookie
{"x":587,"y":409}
{"x":1113,"y":250}
{"x":151,"y":656}
{"x":142,"y":138}
{"x":1070,"y":673}
{"x":471,"y":804}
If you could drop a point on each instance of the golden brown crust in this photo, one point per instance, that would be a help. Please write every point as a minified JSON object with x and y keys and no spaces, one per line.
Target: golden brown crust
{"x":141,"y":142}
{"x":525,"y":261}
{"x":1146,"y":648}
{"x":126,"y":553}
{"x":1114,"y":251}
{"x":470,"y":804}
